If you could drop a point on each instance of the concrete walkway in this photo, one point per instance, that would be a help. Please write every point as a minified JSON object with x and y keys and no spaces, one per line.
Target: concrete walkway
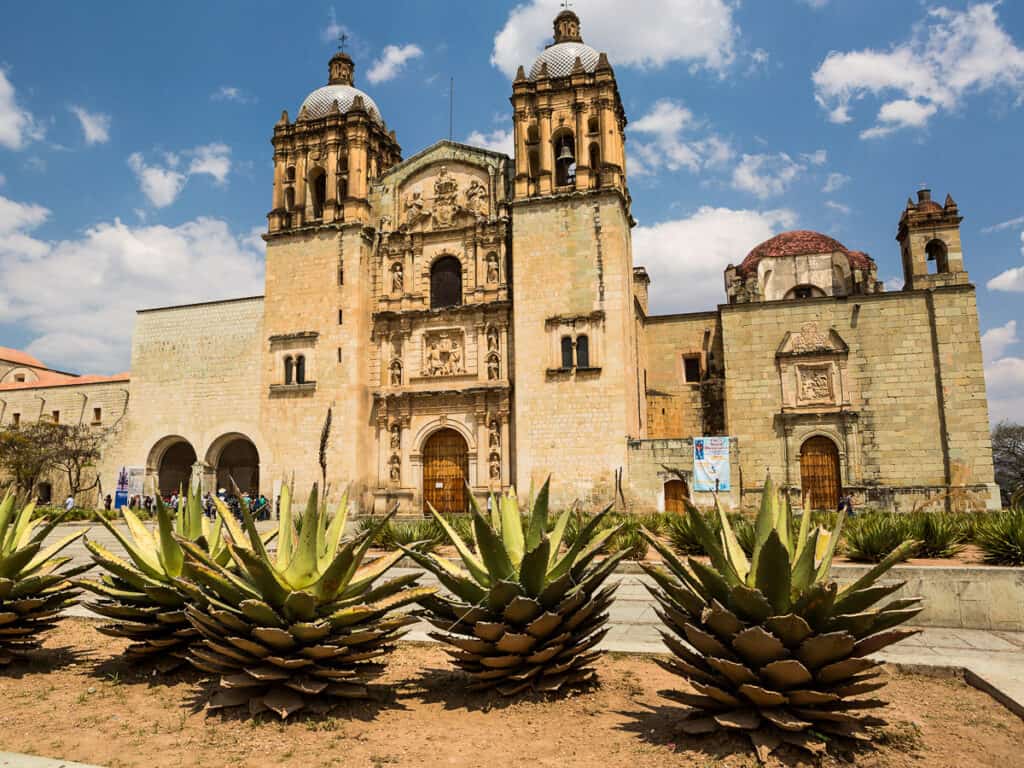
{"x":992,"y":661}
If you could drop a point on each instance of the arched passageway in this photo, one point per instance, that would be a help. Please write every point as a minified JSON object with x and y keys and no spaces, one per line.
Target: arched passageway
{"x":446,"y":471}
{"x":175,"y":467}
{"x":236,"y":458}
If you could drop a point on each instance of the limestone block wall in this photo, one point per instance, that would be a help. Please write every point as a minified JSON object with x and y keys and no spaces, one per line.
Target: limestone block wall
{"x":572,"y":264}
{"x":648,"y":460}
{"x":892,"y":449}
{"x":303,"y":297}
{"x":195,"y":375}
{"x":675,"y":406}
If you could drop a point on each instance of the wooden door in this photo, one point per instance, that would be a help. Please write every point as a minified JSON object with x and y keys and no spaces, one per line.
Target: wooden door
{"x":819,"y":472}
{"x":445,"y":472}
{"x":675,"y":492}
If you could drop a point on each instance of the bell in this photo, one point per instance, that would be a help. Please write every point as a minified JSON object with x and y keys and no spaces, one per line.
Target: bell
{"x":565,"y":154}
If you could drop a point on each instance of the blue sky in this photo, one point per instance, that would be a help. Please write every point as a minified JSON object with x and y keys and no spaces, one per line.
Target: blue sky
{"x":135,"y":164}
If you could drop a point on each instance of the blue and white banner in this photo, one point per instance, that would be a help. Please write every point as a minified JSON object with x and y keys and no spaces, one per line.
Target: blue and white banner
{"x":711,"y":463}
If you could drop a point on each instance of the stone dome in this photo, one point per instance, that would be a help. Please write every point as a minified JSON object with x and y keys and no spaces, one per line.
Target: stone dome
{"x":800,"y":243}
{"x":318,"y":103}
{"x":561,"y":58}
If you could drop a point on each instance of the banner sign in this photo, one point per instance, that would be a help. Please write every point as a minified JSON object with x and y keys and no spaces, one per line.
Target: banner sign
{"x":711,"y":463}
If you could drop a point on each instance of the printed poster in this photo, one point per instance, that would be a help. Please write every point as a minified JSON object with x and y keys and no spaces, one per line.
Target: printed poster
{"x":711,"y":464}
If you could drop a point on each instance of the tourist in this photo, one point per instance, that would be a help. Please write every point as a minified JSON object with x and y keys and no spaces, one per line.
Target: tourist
{"x":69,"y":503}
{"x":107,"y":502}
{"x":846,"y":505}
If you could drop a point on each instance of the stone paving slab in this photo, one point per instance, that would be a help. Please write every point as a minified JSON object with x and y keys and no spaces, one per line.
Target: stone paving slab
{"x":13,"y":760}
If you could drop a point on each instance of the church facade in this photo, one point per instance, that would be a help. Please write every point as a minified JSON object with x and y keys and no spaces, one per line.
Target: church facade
{"x":475,"y":320}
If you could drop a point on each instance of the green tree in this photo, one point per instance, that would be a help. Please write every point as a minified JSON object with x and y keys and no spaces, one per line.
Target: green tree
{"x":27,"y":453}
{"x":1008,"y":456}
{"x":76,"y":448}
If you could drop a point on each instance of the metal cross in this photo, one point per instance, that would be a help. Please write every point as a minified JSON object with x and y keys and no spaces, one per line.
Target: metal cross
{"x":566,"y":4}
{"x":342,"y":39}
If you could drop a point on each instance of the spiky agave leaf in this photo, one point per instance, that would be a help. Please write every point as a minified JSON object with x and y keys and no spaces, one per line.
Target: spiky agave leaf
{"x":771,"y":646}
{"x":299,"y":628}
{"x":521,"y":613}
{"x":139,"y":594}
{"x":35,"y":584}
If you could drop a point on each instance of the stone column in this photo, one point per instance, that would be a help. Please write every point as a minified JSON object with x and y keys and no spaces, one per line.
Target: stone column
{"x":582,"y":154}
{"x":546,"y":181}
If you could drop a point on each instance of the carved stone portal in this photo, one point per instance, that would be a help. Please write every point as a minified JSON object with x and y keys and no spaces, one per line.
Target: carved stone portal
{"x":443,"y":354}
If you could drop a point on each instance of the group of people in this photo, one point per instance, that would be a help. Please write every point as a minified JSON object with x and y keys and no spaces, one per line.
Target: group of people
{"x":258,"y":505}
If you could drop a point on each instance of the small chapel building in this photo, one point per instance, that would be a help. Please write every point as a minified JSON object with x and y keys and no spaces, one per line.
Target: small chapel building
{"x":476,"y":321}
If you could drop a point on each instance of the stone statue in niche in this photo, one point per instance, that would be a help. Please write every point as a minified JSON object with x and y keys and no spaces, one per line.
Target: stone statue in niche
{"x":476,"y":198}
{"x":494,"y":438}
{"x":443,"y":357}
{"x":396,"y":374}
{"x":815,"y":383}
{"x":395,"y":471}
{"x":492,"y":267}
{"x":493,"y":368}
{"x":492,"y":339}
{"x":396,"y":436}
{"x":397,"y":277}
{"x":495,"y":466}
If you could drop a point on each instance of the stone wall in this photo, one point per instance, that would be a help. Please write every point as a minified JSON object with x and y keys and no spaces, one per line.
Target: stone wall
{"x":648,"y":460}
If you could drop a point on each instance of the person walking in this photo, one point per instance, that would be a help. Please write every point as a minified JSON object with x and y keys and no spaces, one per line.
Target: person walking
{"x":69,"y":503}
{"x":107,"y":502}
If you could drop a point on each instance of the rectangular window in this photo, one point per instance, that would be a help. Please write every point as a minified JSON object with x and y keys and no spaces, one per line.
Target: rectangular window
{"x":339,"y":317}
{"x":15,"y":419}
{"x":56,"y":417}
{"x":97,"y":415}
{"x":691,"y":369}
{"x":567,"y":352}
{"x":582,"y":352}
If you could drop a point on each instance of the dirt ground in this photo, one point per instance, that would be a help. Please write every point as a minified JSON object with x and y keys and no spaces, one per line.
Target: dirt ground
{"x":87,"y":705}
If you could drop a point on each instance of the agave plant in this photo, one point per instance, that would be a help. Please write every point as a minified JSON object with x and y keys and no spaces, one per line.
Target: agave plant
{"x":35,"y":584}
{"x":522,"y":613}
{"x":769,"y":644}
{"x":139,"y":594}
{"x":1001,"y":535}
{"x":299,"y":628}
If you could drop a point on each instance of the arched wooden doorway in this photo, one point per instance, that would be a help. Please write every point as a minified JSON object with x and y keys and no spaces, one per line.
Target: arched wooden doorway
{"x":675,"y":494}
{"x":819,"y":472}
{"x":445,"y":471}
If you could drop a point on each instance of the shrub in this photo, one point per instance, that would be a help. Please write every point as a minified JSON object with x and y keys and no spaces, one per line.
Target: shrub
{"x":942,"y":534}
{"x":1001,"y":536}
{"x":628,"y":539}
{"x":683,"y":536}
{"x":872,"y":537}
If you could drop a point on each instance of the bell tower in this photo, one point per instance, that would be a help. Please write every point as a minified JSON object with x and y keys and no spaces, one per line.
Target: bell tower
{"x":575,"y":314}
{"x":929,"y":238}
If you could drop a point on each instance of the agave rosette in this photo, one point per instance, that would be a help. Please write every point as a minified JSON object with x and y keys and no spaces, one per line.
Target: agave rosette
{"x":303,"y":626}
{"x":770,"y":645}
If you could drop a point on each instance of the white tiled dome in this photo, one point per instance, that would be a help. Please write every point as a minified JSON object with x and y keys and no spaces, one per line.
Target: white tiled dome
{"x":319,"y":102}
{"x":561,"y":58}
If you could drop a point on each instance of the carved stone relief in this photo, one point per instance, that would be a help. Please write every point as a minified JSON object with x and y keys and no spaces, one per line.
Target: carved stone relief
{"x":814,"y":383}
{"x":810,"y":339}
{"x":448,"y":203}
{"x":443,"y":353}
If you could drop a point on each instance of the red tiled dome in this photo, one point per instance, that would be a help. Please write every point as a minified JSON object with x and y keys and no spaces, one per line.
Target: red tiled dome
{"x":801,"y":242}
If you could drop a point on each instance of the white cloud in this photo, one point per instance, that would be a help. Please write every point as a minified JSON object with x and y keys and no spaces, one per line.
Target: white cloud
{"x":1004,"y":375}
{"x":17,"y":125}
{"x":498,"y":140}
{"x":213,"y":160}
{"x":333,"y":30}
{"x":838,"y":207}
{"x":1010,"y":224}
{"x":162,"y":183}
{"x":818,"y":157}
{"x":1011,"y":280}
{"x":949,"y":56}
{"x":694,"y":252}
{"x":231,"y":93}
{"x":151,"y":265}
{"x":766,"y":175}
{"x":665,"y":124}
{"x":708,"y":41}
{"x":835,"y":182}
{"x":392,"y":61}
{"x":95,"y":125}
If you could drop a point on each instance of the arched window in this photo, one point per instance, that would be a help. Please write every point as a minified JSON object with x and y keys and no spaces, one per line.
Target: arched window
{"x":938,"y":255}
{"x":446,"y":283}
{"x":593,"y":124}
{"x":300,"y":369}
{"x":290,"y":173}
{"x":532,"y":135}
{"x":343,"y":188}
{"x":582,"y":352}
{"x":565,"y":159}
{"x":289,"y":365}
{"x":806,"y":291}
{"x":567,"y":352}
{"x":318,"y":191}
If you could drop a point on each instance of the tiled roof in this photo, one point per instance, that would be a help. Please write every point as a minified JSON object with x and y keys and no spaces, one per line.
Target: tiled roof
{"x":54,"y":379}
{"x":800,"y":242}
{"x":20,"y":358}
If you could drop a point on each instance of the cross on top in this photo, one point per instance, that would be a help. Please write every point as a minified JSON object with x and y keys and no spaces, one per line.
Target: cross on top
{"x":342,"y":39}
{"x":566,"y":4}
